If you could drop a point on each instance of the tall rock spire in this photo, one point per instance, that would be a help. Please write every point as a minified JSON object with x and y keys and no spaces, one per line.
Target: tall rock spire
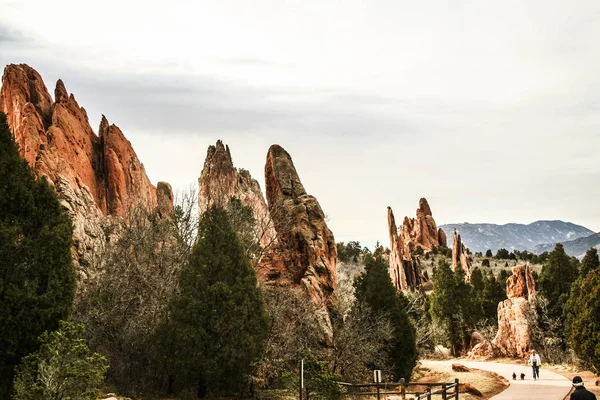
{"x":460,"y":255}
{"x":220,"y":180}
{"x":94,"y":176}
{"x":305,"y":254}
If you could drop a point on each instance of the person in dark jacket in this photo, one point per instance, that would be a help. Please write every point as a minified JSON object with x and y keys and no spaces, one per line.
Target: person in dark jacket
{"x":580,"y":392}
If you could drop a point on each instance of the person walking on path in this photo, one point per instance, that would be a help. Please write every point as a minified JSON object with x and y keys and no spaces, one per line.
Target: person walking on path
{"x":580,"y":392}
{"x":535,"y":361}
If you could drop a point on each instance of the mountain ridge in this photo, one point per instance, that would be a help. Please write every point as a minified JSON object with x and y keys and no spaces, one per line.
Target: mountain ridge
{"x":575,"y":248}
{"x":513,"y":236}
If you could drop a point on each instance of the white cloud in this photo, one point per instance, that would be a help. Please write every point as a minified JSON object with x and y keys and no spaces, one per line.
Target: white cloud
{"x":489,"y":109}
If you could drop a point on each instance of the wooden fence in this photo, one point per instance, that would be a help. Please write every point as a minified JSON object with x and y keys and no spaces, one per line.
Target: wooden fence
{"x":444,"y":391}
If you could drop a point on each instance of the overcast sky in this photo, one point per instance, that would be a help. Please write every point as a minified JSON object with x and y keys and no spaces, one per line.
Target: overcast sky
{"x":490,"y":110}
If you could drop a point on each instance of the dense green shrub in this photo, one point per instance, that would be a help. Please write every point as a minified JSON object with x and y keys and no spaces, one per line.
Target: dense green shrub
{"x":63,"y":368}
{"x":37,"y":279}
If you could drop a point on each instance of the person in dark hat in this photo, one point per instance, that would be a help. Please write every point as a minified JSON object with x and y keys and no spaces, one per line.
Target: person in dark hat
{"x":580,"y":392}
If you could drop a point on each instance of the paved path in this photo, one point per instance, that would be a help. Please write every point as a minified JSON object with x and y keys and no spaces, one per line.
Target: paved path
{"x":550,"y":386}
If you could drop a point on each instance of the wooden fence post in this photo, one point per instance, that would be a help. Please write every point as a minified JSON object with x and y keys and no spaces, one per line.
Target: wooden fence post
{"x":403,"y":388}
{"x":456,"y":389}
{"x":444,"y":394}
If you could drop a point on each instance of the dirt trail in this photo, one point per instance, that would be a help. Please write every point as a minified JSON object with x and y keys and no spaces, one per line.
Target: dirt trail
{"x":550,"y":385}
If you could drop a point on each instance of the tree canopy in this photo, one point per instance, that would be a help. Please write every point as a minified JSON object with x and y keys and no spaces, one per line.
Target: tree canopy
{"x":219,"y":316}
{"x":63,"y":368}
{"x":582,"y":312}
{"x":37,"y":280}
{"x":374,"y":289}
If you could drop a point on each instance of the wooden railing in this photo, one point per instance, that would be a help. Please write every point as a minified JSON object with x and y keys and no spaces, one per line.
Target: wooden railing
{"x":444,"y":390}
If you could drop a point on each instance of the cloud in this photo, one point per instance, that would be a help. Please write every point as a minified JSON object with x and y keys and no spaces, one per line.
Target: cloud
{"x":8,"y":36}
{"x":206,"y":105}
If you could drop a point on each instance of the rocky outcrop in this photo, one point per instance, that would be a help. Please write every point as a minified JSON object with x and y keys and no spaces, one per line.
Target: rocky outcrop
{"x":220,"y":180}
{"x":96,"y":177}
{"x":165,"y":199}
{"x":405,"y":270}
{"x":514,"y":314}
{"x":126,"y":181}
{"x":515,"y":318}
{"x":460,"y":255}
{"x":305,"y":254}
{"x":422,"y":231}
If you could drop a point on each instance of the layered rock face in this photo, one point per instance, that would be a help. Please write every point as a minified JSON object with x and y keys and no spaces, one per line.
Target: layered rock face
{"x":460,"y":255}
{"x":220,"y":180}
{"x":514,"y":318}
{"x":96,"y":177}
{"x":299,"y":249}
{"x":422,"y":231}
{"x":305,"y":253}
{"x":514,"y":314}
{"x":305,"y":245}
{"x":405,"y":271}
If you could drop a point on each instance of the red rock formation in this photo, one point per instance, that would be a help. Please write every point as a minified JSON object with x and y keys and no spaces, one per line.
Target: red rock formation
{"x":306,"y":254}
{"x":126,"y":179}
{"x":404,"y":268}
{"x":460,"y":255}
{"x":405,"y":271}
{"x":95,"y":176}
{"x":220,"y":180}
{"x":422,"y":231}
{"x":165,"y":199}
{"x":515,"y":316}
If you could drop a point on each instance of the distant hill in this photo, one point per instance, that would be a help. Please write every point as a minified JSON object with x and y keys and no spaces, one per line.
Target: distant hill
{"x":480,"y":237}
{"x":576,"y":248}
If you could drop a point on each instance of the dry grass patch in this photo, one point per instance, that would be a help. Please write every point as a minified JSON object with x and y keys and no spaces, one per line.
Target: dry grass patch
{"x":488,"y":384}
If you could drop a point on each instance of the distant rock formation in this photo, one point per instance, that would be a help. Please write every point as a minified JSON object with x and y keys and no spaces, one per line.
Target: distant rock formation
{"x":96,"y":177}
{"x":405,"y":271}
{"x":305,"y":253}
{"x":404,"y":267}
{"x":299,"y":248}
{"x":422,"y":231}
{"x":514,"y":314}
{"x":220,"y":180}
{"x":514,"y":318}
{"x":460,"y":255}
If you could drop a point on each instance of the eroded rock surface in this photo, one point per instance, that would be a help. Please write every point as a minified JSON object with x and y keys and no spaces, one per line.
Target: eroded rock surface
{"x":515,"y":314}
{"x":405,"y":270}
{"x":420,"y":232}
{"x":460,"y":255}
{"x":515,"y":318}
{"x":220,"y":180}
{"x":96,"y":177}
{"x":305,"y":254}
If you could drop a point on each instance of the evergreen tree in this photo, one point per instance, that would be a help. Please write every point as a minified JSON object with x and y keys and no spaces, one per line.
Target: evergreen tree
{"x":453,"y":305}
{"x":375,"y":290}
{"x":219,"y":315}
{"x":489,"y":253}
{"x":63,"y":368}
{"x":37,"y":280}
{"x":589,"y":262}
{"x":493,"y":293}
{"x":502,"y":254}
{"x":582,"y":312}
{"x":556,"y":279}
{"x":477,"y":280}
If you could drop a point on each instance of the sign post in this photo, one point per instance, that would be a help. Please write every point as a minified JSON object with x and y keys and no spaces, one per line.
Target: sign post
{"x":377,"y":379}
{"x":301,"y":377}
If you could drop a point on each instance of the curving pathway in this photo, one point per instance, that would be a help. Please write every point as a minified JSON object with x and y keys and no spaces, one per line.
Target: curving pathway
{"x":550,"y":386}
